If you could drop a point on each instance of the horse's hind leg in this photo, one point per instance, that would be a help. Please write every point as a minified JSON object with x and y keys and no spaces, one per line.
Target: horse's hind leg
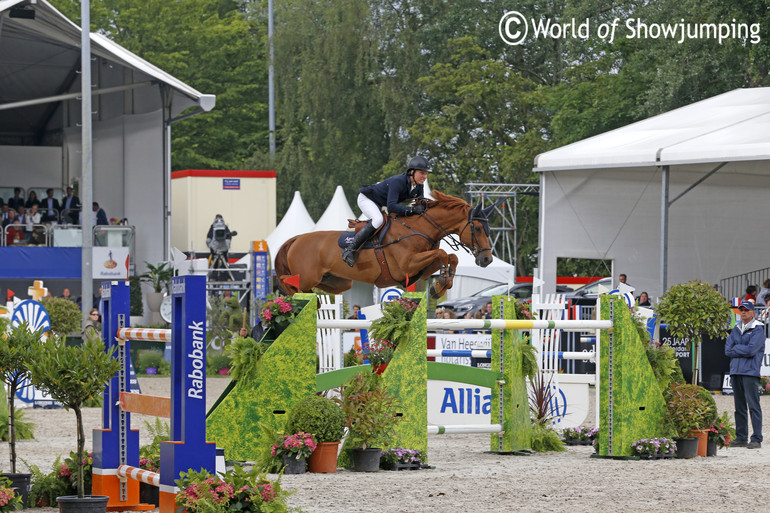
{"x":334,"y":284}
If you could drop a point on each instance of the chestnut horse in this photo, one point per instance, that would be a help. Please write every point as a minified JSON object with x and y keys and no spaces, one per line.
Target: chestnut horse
{"x":410,"y":249}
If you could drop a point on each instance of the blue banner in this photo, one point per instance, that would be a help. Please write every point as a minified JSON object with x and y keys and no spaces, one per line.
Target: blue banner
{"x":40,"y":263}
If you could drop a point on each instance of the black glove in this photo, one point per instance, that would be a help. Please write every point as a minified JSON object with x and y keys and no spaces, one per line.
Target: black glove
{"x":415,"y":210}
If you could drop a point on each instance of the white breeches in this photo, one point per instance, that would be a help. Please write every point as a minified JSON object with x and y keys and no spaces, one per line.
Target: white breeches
{"x":370,"y":210}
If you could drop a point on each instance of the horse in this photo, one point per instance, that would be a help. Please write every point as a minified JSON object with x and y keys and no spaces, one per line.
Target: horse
{"x":408,"y":252}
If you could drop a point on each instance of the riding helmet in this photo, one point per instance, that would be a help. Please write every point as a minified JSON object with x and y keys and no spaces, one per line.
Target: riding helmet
{"x":418,"y":162}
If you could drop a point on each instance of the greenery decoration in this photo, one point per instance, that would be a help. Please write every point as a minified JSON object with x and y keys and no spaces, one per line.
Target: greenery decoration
{"x":395,"y":322}
{"x":545,"y":439}
{"x":687,"y":410}
{"x":72,"y":375}
{"x":64,"y":315}
{"x":722,"y":431}
{"x":653,"y":446}
{"x":18,"y":349}
{"x":694,"y":310}
{"x":278,"y":312}
{"x":46,"y":487}
{"x":218,"y":361}
{"x":245,"y":356}
{"x":296,"y":445}
{"x":224,"y":317}
{"x":540,"y":398}
{"x":380,"y":351}
{"x":369,"y":410}
{"x":135,"y":297}
{"x":529,"y":366}
{"x":158,"y":276}
{"x":150,"y":358}
{"x":25,"y":429}
{"x":318,"y":415}
{"x":580,"y":433}
{"x":149,"y":454}
{"x":9,"y":499}
{"x":401,"y":455}
{"x":665,"y":364}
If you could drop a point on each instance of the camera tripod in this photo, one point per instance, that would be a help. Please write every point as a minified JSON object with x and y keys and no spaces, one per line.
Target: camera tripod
{"x":219,"y":261}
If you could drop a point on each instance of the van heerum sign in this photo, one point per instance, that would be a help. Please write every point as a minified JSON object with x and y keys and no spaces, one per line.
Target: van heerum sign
{"x":195,"y":382}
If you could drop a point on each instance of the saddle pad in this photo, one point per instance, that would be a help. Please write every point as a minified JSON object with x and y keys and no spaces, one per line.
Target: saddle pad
{"x":347,"y":237}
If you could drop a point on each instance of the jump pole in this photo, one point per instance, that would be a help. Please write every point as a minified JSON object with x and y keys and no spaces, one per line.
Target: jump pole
{"x":116,"y":445}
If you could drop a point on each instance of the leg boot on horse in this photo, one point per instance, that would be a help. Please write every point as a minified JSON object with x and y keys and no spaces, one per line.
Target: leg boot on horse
{"x":350,"y":253}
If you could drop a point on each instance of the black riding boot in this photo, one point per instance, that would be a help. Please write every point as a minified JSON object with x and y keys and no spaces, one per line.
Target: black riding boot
{"x":349,"y":254}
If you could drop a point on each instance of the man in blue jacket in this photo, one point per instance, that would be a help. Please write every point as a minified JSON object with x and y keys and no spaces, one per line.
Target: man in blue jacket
{"x":746,"y":347}
{"x":388,"y":193}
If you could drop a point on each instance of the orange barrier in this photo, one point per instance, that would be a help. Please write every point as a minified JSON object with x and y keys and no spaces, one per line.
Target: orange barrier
{"x":154,"y":405}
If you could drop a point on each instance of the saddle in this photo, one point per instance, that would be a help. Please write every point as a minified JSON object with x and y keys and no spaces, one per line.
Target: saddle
{"x":354,"y":226}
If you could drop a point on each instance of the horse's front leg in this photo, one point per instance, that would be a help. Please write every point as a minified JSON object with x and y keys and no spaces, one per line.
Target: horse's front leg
{"x":429,"y":262}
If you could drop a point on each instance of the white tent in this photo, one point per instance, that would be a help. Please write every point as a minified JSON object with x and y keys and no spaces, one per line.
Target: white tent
{"x":295,"y":221}
{"x":470,"y":278}
{"x":669,"y":199}
{"x":337,"y":213}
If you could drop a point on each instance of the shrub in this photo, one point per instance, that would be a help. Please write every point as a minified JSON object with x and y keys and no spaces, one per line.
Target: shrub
{"x":64,"y":315}
{"x":135,"y":295}
{"x":150,"y":358}
{"x":317,"y":415}
{"x":217,"y":362}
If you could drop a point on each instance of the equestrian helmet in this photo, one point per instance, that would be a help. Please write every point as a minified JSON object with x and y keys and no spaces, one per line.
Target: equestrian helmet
{"x":418,"y":162}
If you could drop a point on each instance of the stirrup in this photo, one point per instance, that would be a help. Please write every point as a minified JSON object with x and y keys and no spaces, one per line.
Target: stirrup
{"x":348,"y":255}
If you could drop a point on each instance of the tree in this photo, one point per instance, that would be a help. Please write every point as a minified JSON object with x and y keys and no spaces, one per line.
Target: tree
{"x":694,"y":310}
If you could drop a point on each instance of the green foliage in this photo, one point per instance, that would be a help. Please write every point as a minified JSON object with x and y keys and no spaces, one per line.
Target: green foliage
{"x":352,"y":358}
{"x":158,"y":276}
{"x":540,"y":398}
{"x":149,"y":455}
{"x":72,"y":375}
{"x":394,"y":325}
{"x":150,"y":358}
{"x":46,"y":487}
{"x":218,"y":361}
{"x":545,"y":439}
{"x":18,"y":349}
{"x":25,"y":429}
{"x":223,"y":318}
{"x":318,"y":415}
{"x":14,"y":502}
{"x":641,"y":327}
{"x":665,"y":364}
{"x":693,"y":310}
{"x":265,"y":460}
{"x":135,"y":296}
{"x":245,"y":355}
{"x":64,"y":315}
{"x":723,"y":430}
{"x":687,"y":409}
{"x":369,"y":410}
{"x":529,"y":365}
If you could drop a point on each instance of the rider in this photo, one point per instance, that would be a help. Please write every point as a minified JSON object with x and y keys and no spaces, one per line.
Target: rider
{"x":389,"y":192}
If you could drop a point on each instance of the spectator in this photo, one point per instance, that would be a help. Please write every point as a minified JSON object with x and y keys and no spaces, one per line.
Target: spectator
{"x":31,"y":200}
{"x":257,"y":332}
{"x":66,"y":294}
{"x":623,"y":279}
{"x":9,"y":216}
{"x":14,"y":232}
{"x":751,"y":294}
{"x":21,"y":214}
{"x":488,"y":310}
{"x":467,"y":316}
{"x":100,"y":216}
{"x":356,"y":309}
{"x":761,"y":297}
{"x":448,"y":314}
{"x":4,"y":214}
{"x":92,"y":327}
{"x":745,"y":347}
{"x":70,"y":205}
{"x":17,"y":200}
{"x":479,"y":315}
{"x":644,"y":299}
{"x":32,"y":217}
{"x":50,"y":207}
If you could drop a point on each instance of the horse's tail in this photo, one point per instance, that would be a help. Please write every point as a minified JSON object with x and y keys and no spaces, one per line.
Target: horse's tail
{"x":282,"y":270}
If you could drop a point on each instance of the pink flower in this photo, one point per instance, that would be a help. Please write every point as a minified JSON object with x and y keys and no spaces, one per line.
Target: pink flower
{"x":285,"y":307}
{"x":267,"y":492}
{"x":267,"y":314}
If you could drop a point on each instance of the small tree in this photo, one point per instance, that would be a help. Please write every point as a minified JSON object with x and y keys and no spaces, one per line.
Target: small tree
{"x":73,"y":375}
{"x":158,"y":276}
{"x":16,"y":350}
{"x":64,"y":315}
{"x":694,"y":310}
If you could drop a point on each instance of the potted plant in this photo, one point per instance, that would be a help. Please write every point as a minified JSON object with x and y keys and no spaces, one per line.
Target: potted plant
{"x":158,"y":277}
{"x":401,"y":458}
{"x":150,"y":360}
{"x":17,"y":349}
{"x":219,"y":363}
{"x":380,"y":353}
{"x":64,"y":315}
{"x":686,"y":411}
{"x":581,"y":435}
{"x":370,"y":415}
{"x":278,"y":313}
{"x":654,"y":448}
{"x":10,"y":500}
{"x":149,"y":459}
{"x":323,"y":418}
{"x":73,"y":375}
{"x":694,"y":310}
{"x":294,"y":449}
{"x":395,"y":321}
{"x":136,"y":309}
{"x":721,"y":434}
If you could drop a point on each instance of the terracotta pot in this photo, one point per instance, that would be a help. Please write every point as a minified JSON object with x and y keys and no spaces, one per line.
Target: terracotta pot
{"x":324,"y":458}
{"x":379,"y":369}
{"x":703,"y":439}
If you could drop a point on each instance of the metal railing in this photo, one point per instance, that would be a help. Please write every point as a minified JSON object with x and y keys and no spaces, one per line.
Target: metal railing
{"x":735,"y":286}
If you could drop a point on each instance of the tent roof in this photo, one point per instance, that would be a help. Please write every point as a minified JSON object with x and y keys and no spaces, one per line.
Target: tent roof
{"x":40,"y":59}
{"x":295,"y":221}
{"x":733,"y":126}
{"x":336,"y":214}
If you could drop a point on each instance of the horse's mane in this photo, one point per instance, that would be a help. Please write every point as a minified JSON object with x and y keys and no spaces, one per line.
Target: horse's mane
{"x":447,"y":201}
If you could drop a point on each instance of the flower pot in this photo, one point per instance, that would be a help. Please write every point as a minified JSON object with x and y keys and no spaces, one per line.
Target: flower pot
{"x":324,"y":458}
{"x":686,"y":448}
{"x":703,"y":438}
{"x":711,"y":449}
{"x":87,"y":504}
{"x":379,"y":369}
{"x":293,"y":465}
{"x":224,"y":372}
{"x":149,"y":494}
{"x":151,"y":371}
{"x":20,"y":483}
{"x":366,"y":460}
{"x":154,"y":299}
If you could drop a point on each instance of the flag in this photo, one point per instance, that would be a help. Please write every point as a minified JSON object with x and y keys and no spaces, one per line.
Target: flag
{"x":293,"y":281}
{"x":9,"y":295}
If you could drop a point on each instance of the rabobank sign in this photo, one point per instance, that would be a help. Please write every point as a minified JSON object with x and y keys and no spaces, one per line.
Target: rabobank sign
{"x":196,"y":365}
